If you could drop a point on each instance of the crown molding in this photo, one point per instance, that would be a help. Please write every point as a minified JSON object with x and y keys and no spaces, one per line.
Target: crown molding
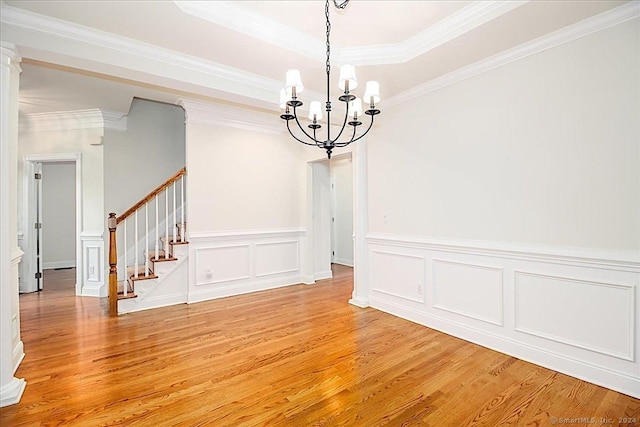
{"x":567,"y":34}
{"x":214,"y":114}
{"x":114,"y":120}
{"x":238,"y":18}
{"x":74,"y":120}
{"x":445,"y":30}
{"x":111,"y":49}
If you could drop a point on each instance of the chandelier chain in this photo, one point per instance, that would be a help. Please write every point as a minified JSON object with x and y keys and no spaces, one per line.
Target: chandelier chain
{"x":326,"y":14}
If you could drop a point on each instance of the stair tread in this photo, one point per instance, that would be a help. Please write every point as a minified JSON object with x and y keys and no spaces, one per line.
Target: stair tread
{"x":143,"y":277}
{"x":129,"y":295}
{"x":171,"y":258}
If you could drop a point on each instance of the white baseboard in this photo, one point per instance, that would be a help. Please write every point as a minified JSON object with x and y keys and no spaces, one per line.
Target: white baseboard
{"x":18,"y":355}
{"x":59,"y":264}
{"x":344,"y":261}
{"x":240,"y":288}
{"x":321,"y":275}
{"x":11,"y":393}
{"x":151,"y":302}
{"x":98,"y":290}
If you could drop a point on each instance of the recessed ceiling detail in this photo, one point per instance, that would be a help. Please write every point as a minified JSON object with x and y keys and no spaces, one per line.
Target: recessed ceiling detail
{"x":234,"y":16}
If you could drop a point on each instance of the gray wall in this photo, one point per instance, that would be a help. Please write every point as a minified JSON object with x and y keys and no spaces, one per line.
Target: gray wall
{"x":150,"y":151}
{"x":58,"y":214}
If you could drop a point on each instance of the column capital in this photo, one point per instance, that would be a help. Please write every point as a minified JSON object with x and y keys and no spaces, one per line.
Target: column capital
{"x":10,"y":55}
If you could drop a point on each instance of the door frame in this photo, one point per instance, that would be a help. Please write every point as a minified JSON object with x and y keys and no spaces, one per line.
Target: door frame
{"x":29,"y":283}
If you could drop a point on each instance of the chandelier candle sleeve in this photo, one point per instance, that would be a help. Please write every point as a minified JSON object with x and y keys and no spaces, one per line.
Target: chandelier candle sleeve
{"x":352,"y":105}
{"x":315,"y":111}
{"x":348,"y":80}
{"x":355,"y":108}
{"x":372,"y":93}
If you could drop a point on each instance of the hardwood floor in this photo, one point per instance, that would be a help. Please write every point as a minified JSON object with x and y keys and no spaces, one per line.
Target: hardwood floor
{"x":295,"y":356}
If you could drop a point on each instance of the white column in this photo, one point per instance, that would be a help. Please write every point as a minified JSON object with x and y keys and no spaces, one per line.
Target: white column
{"x":11,"y":351}
{"x":360,"y":296}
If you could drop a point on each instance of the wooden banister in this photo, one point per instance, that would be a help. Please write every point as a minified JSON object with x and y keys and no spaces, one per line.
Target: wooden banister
{"x":151,"y":195}
{"x":113,"y":221}
{"x":113,"y":266}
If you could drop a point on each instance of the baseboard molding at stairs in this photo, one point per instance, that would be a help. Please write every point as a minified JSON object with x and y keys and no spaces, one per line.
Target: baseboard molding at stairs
{"x":151,"y":302}
{"x":169,"y":288}
{"x":242,"y":288}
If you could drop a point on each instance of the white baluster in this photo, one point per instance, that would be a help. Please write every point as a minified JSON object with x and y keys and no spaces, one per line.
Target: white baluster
{"x":166,"y":223}
{"x":146,"y":239}
{"x":157,"y":255}
{"x":135,"y":245}
{"x":174,"y":219}
{"x":182,"y":231}
{"x":126,"y":274}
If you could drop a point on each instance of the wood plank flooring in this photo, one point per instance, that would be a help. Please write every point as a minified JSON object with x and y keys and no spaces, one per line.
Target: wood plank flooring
{"x":295,"y":356}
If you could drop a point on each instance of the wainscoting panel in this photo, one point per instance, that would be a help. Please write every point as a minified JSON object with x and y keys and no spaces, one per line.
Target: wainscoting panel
{"x":277,"y":258}
{"x":594,"y":316}
{"x":573,"y":312}
{"x":93,"y":256}
{"x":222,"y":264}
{"x":471,"y":290}
{"x":398,"y":274}
{"x":92,"y":275}
{"x":233,"y":263}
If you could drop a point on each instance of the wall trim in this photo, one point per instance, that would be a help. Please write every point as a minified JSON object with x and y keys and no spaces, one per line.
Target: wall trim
{"x":596,"y":258}
{"x":246,"y":234}
{"x":461,"y":313}
{"x":629,"y":355}
{"x":594,"y":356}
{"x":12,"y":392}
{"x":592,"y":373}
{"x":564,"y":35}
{"x":76,"y":119}
{"x":65,"y":38}
{"x":217,"y":114}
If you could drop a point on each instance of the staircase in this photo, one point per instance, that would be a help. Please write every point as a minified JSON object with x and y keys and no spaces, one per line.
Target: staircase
{"x":152,"y":270}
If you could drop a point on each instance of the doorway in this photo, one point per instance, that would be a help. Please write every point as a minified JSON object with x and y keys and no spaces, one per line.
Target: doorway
{"x":332,"y":214}
{"x":56,"y":239}
{"x":52,"y":219}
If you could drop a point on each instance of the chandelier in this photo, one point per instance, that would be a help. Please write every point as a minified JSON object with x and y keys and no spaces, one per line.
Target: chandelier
{"x":353,"y":106}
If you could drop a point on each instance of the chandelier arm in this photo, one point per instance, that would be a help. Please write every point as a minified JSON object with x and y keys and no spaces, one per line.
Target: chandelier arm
{"x":295,"y":115}
{"x":354,"y":131}
{"x":344,"y":123}
{"x":298,"y":139}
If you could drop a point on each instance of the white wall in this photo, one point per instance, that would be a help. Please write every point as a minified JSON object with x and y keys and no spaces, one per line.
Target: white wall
{"x":543,"y":150}
{"x":246,"y":205}
{"x":58,"y":246}
{"x":513,"y":208}
{"x":342,"y":173}
{"x":321,"y":196}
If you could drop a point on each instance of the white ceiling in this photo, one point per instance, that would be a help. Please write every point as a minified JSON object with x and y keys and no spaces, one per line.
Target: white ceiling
{"x":403,"y":44}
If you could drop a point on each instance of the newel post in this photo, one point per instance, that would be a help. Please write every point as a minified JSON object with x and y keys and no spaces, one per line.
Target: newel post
{"x":113,"y":269}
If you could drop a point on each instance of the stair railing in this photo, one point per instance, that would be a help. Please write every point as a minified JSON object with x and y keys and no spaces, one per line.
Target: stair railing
{"x":168,"y":188}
